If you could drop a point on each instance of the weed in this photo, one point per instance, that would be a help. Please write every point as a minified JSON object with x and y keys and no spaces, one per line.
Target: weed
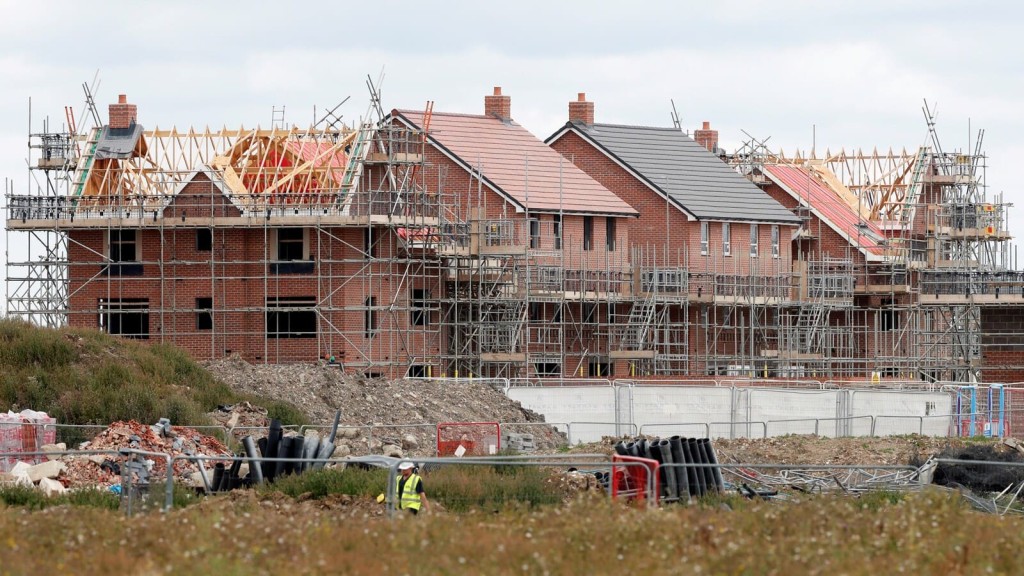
{"x":319,"y":483}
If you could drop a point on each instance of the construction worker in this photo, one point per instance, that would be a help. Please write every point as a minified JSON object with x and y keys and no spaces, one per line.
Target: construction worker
{"x":409,"y":493}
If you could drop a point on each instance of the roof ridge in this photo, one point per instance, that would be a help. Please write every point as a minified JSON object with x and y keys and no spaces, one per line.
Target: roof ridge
{"x":455,"y":114}
{"x":636,"y":126}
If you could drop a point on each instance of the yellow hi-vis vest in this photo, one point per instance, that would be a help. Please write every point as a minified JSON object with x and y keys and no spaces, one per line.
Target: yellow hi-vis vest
{"x":408,"y":498}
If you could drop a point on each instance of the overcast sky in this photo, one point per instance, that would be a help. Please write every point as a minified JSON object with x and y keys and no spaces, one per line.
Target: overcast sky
{"x":853,"y":74}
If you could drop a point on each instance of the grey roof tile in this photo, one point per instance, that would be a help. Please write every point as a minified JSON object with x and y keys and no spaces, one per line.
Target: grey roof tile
{"x":693,"y":177}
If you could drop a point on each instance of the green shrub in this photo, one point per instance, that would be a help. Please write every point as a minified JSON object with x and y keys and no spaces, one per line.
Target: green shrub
{"x":465,"y":487}
{"x":86,"y":377}
{"x":320,"y":483}
{"x":34,"y":499}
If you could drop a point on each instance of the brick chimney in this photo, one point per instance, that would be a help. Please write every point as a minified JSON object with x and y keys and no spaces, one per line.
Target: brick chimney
{"x":122,"y":114}
{"x":498,"y":105}
{"x":581,"y":110}
{"x":706,"y":137}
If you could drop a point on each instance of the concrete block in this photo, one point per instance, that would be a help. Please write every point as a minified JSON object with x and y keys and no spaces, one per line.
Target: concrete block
{"x":51,"y":487}
{"x":59,"y":447}
{"x":50,"y":469}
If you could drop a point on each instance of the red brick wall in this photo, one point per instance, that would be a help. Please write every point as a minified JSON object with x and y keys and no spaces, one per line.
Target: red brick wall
{"x":1002,"y":344}
{"x":235,"y":274}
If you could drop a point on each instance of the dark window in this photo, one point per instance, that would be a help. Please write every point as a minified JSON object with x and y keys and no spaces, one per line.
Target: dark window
{"x":417,"y":371}
{"x":204,"y":240}
{"x":556,"y":318}
{"x":588,"y":232}
{"x":609,"y":233}
{"x":128,"y":317}
{"x":419,"y":314}
{"x":204,"y":313}
{"x":600,"y":369}
{"x":548,"y":369}
{"x":290,"y":244}
{"x":534,"y":233}
{"x":890,"y":320}
{"x":123,"y":246}
{"x":291,"y":317}
{"x":369,"y":243}
{"x":557,"y":230}
{"x":589,"y":313}
{"x":370,"y":317}
{"x":536,"y":311}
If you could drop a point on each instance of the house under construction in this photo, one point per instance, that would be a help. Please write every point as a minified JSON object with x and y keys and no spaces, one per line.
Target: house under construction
{"x":422,"y":243}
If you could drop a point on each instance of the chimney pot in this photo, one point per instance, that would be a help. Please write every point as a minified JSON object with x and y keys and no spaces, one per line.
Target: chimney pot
{"x":580,"y":110}
{"x":706,"y":137}
{"x":498,"y":105}
{"x":122,"y":114}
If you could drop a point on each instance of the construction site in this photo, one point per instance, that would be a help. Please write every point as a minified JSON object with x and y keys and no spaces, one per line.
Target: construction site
{"x":415,"y":243}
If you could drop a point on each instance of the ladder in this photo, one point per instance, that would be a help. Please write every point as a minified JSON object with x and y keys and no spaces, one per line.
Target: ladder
{"x":914,"y":187}
{"x":85,"y":162}
{"x":638,"y":326}
{"x":354,"y":166}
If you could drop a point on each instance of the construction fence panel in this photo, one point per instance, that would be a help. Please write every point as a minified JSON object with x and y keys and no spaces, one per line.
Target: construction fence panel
{"x":589,"y":410}
{"x":903,"y":411}
{"x":791,"y":411}
{"x":655,"y":405}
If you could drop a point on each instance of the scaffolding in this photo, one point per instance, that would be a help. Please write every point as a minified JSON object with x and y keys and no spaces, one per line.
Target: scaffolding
{"x":344,"y":242}
{"x":915,"y":312}
{"x":278,"y":244}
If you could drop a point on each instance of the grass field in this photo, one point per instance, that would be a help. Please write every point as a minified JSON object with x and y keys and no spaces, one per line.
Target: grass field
{"x":927,"y":533}
{"x":86,"y":377}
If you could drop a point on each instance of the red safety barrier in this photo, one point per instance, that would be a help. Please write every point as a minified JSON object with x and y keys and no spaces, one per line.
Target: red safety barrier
{"x":632,"y":482}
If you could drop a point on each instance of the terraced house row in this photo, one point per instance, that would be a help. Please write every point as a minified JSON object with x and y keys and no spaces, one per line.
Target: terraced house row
{"x":458,"y":244}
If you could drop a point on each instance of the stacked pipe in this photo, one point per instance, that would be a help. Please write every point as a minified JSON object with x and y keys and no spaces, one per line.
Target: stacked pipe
{"x":304,"y":453}
{"x":689,"y":466}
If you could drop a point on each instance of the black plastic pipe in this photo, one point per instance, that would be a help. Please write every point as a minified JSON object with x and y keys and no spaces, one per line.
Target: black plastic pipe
{"x":682,"y":480}
{"x":255,"y":469}
{"x":633,"y":449}
{"x":700,"y":488}
{"x":298,"y":443}
{"x":218,"y":476}
{"x":273,"y":444}
{"x":309,"y":449}
{"x":283,"y":451}
{"x":717,"y":469}
{"x":231,"y":476}
{"x":655,"y":451}
{"x":709,"y":473}
{"x":669,"y":476}
{"x":620,"y":448}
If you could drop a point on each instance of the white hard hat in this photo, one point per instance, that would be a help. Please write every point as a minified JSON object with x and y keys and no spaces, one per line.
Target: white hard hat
{"x":406,"y":465}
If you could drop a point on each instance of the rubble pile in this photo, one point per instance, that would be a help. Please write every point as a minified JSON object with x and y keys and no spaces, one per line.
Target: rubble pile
{"x":242,"y":416}
{"x":320,"y":389}
{"x":100,"y":470}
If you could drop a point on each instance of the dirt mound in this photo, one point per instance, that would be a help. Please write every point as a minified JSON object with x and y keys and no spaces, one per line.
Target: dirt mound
{"x":319,"y":390}
{"x":980,"y":477}
{"x":890,"y":450}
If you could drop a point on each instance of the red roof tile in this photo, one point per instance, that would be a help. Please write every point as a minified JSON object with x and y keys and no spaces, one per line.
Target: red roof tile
{"x":321,"y":155}
{"x":836,"y":213}
{"x":520,"y":165}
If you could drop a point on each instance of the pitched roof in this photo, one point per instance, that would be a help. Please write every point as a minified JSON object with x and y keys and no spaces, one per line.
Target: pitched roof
{"x":673,"y":164}
{"x":516,"y":164}
{"x":798,"y":182}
